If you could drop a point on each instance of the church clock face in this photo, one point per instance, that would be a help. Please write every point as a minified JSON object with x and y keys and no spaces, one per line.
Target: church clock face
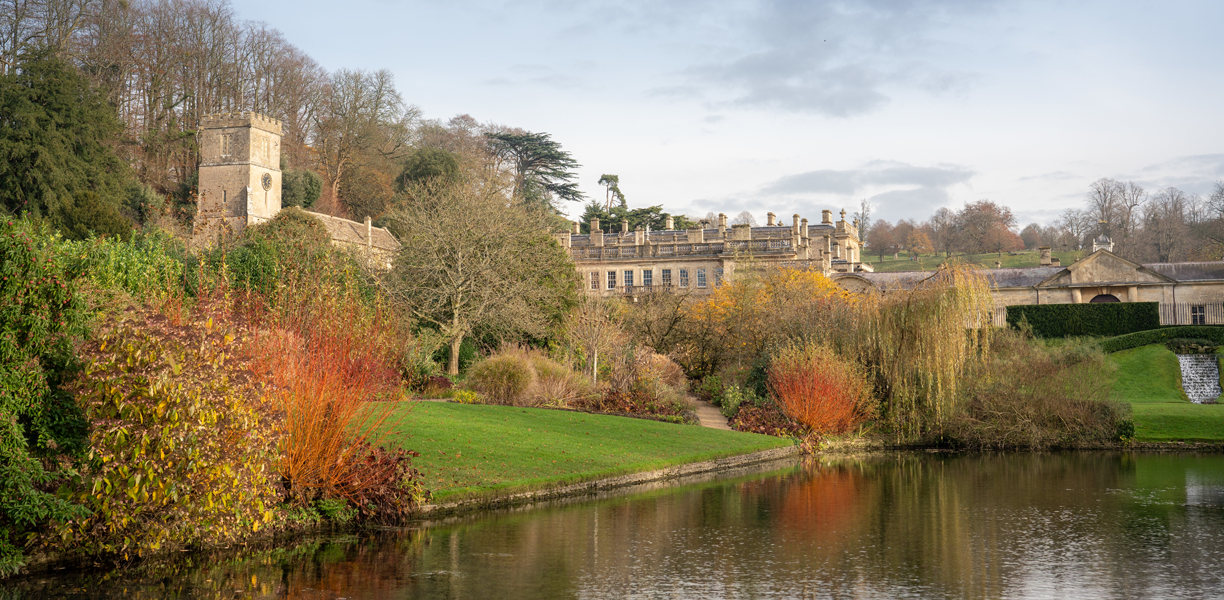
{"x":266,"y":180}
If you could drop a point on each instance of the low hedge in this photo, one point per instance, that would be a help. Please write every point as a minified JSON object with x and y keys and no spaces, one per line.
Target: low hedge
{"x":1064,"y":320}
{"x":1214,"y":333}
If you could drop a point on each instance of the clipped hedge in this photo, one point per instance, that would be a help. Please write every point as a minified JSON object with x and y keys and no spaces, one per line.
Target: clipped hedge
{"x":1215,"y":333}
{"x":1064,"y":320}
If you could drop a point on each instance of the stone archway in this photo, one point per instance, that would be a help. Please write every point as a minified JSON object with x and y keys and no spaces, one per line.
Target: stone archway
{"x":1100,"y":298}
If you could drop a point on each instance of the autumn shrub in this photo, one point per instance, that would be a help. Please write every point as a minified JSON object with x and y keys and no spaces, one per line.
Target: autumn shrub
{"x":639,"y":384}
{"x":503,"y":378}
{"x":814,"y":386}
{"x":758,"y":308}
{"x":1030,"y":395}
{"x":184,"y":443}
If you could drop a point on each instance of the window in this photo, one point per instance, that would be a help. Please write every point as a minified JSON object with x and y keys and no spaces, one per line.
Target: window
{"x":628,"y":279}
{"x":611,"y":280}
{"x":718,"y":273}
{"x":594,"y":280}
{"x":683,"y":277}
{"x":1198,"y":315}
{"x":666,"y":277}
{"x":701,"y":278}
{"x":647,"y":277}
{"x":227,"y":144}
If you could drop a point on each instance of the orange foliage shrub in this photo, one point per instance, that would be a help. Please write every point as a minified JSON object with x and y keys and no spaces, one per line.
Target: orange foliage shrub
{"x":820,"y":389}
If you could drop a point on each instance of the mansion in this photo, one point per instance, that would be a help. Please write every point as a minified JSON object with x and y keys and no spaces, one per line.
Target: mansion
{"x":632,"y":263}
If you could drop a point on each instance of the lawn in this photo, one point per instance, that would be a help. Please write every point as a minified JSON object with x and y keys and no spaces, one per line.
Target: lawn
{"x":1148,"y":378}
{"x":930,"y":262}
{"x":470,"y":450}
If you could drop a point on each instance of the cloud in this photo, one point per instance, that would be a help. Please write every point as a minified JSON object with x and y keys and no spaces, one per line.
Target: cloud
{"x":872,"y":174}
{"x":831,"y":58}
{"x":897,"y":190}
{"x":1051,"y":176}
{"x":537,"y":75}
{"x":1195,"y":174}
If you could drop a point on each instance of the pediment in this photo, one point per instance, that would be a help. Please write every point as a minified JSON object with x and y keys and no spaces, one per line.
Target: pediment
{"x":1104,"y":268}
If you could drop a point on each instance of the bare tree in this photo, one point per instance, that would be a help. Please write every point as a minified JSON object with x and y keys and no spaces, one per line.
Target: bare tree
{"x":471,"y":259}
{"x":744,"y":218}
{"x":360,"y":113}
{"x":1165,"y":227}
{"x":593,"y":327}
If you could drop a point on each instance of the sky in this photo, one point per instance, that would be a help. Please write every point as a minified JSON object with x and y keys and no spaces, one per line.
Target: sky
{"x":798,"y":106}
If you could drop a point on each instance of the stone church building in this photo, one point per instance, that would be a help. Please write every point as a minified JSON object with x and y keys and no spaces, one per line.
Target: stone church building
{"x":240,"y":186}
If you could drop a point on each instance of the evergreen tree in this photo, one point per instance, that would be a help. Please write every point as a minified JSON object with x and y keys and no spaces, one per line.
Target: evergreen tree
{"x":543,"y":172}
{"x":56,"y":159}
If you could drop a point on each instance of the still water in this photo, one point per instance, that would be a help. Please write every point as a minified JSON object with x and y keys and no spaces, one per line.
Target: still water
{"x":1060,"y":525}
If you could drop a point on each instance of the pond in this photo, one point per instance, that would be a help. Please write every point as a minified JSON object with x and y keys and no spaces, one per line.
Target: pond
{"x":910,"y":525}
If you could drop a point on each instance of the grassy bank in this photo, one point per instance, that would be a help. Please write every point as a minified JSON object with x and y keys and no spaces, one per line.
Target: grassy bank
{"x":474,"y":450}
{"x":1148,"y":378}
{"x":931,"y":262}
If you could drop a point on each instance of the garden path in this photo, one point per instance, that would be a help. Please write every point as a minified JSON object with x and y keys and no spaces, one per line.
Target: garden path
{"x":709,"y":415}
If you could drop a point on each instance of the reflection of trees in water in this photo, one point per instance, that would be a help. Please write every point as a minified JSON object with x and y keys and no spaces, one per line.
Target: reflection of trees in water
{"x":987,"y":525}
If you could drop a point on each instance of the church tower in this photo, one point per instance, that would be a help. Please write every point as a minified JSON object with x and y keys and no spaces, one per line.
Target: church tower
{"x":240,"y":177}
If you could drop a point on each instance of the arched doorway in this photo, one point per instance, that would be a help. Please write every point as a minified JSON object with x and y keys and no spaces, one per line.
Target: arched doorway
{"x":1103,"y":298}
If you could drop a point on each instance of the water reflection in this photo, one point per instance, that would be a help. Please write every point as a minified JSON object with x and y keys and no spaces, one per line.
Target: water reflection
{"x":913,"y":525}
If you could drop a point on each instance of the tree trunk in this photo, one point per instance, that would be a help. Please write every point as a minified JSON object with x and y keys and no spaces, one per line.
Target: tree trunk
{"x":453,"y":367}
{"x":595,"y":366}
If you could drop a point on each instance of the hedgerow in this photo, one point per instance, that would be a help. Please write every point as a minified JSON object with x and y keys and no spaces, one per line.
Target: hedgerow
{"x":1063,"y":320}
{"x":1214,"y":333}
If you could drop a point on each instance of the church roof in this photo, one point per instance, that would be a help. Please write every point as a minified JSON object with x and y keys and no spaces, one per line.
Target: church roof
{"x":352,"y":232}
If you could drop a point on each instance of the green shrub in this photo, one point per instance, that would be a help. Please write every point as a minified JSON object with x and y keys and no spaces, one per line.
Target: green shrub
{"x":1105,"y":319}
{"x":732,"y":398}
{"x":710,"y":389}
{"x":184,"y":448}
{"x":146,"y":265}
{"x":41,"y":317}
{"x":1212,"y":333}
{"x":1031,"y":395}
{"x":1192,"y":346}
{"x":503,"y":378}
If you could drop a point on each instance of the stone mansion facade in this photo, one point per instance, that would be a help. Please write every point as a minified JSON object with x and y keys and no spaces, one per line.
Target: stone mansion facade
{"x":632,"y":263}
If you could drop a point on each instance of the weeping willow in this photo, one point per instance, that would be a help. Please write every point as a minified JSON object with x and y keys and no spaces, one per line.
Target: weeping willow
{"x":919,"y":344}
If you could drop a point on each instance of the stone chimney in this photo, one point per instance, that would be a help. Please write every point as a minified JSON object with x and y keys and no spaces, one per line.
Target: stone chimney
{"x":670,"y":223}
{"x":369,"y":234}
{"x":771,"y":220}
{"x":826,"y":217}
{"x":595,"y":226}
{"x":1055,"y":262}
{"x":577,"y":228}
{"x":1046,"y":261}
{"x":625,"y":226}
{"x":803,"y":229}
{"x":722,"y":223}
{"x":795,"y":227}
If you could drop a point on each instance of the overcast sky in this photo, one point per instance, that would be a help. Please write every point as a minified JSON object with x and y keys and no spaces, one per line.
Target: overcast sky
{"x":804,"y":105}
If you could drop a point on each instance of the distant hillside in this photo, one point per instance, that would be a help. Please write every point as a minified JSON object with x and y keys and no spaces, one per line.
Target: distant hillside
{"x":1026,"y":258}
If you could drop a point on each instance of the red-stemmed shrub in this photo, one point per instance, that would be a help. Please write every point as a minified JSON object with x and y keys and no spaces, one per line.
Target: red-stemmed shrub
{"x":820,"y":389}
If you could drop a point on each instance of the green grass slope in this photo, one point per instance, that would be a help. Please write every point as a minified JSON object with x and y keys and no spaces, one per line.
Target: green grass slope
{"x":470,"y":450}
{"x":931,"y":262}
{"x":1149,"y":378}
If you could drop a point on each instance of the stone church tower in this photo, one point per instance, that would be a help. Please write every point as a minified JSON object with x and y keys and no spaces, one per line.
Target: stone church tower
{"x":240,"y":177}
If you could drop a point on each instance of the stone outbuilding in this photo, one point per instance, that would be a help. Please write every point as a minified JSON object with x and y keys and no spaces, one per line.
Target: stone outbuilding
{"x":1188,"y":293}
